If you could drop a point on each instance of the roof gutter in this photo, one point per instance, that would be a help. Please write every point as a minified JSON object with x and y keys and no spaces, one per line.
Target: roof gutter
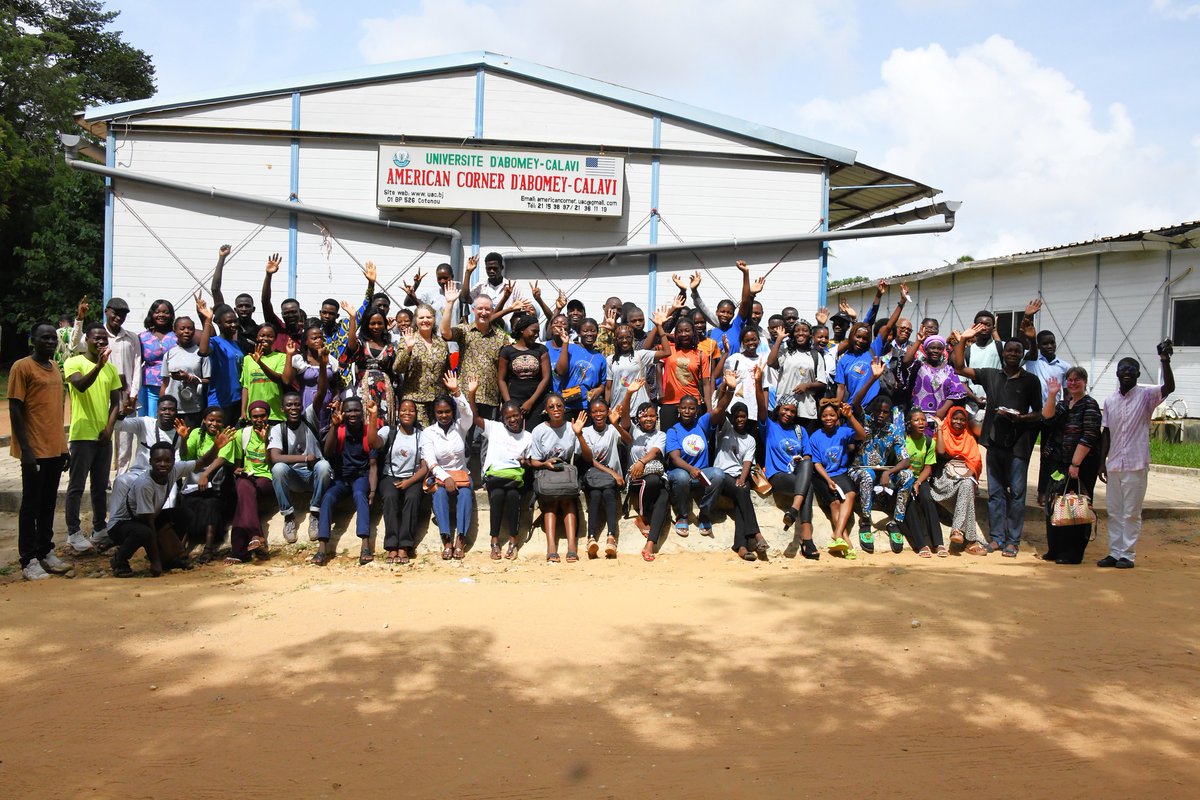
{"x":946,"y":210}
{"x":292,"y":207}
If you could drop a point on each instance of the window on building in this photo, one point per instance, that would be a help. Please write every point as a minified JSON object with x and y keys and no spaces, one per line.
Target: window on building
{"x":1006,"y":324}
{"x":1185,"y":322}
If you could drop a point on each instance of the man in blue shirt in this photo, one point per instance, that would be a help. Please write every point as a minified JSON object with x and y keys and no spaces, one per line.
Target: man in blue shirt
{"x":689,"y":461}
{"x":729,"y":319}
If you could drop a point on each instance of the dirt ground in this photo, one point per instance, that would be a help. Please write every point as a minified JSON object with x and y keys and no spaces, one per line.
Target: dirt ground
{"x":694,"y":676}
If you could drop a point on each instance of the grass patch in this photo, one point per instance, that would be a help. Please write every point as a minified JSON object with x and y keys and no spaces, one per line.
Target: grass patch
{"x":1175,"y":454}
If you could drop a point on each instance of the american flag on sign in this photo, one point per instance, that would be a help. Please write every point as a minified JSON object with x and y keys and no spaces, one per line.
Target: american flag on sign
{"x":600,"y":167}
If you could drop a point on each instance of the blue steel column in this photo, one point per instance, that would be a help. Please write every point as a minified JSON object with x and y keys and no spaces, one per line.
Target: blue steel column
{"x":652,"y":272}
{"x":110,"y":160}
{"x":823,"y":258}
{"x":294,"y":196}
{"x":476,"y":217}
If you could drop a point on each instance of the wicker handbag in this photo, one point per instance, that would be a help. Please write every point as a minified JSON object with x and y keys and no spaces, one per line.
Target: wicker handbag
{"x":1071,"y":508}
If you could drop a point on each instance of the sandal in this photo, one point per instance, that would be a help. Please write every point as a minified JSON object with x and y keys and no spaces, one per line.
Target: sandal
{"x":897,"y":541}
{"x":402,"y":558}
{"x":866,"y":540}
{"x":255,"y":543}
{"x":851,"y":555}
{"x":511,"y":552}
{"x":838,"y":546}
{"x":593,"y":548}
{"x":647,"y":556}
{"x":808,"y":549}
{"x":746,"y":555}
{"x":957,"y":539}
{"x":925,"y":552}
{"x":231,"y":561}
{"x":942,"y":552}
{"x":977,"y":549}
{"x":365,"y":557}
{"x":496,"y":552}
{"x":206,"y":556}
{"x":789,"y":518}
{"x":458,"y":549}
{"x":1010,"y":551}
{"x":610,"y":547}
{"x":760,"y":544}
{"x":705,"y":526}
{"x":552,"y":558}
{"x":319,"y":558}
{"x":447,"y":551}
{"x":392,"y":557}
{"x":572,"y":556}
{"x":681,"y":527}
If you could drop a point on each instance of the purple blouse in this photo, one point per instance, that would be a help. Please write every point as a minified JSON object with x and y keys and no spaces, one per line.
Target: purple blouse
{"x":153,"y":349}
{"x":936,"y":385}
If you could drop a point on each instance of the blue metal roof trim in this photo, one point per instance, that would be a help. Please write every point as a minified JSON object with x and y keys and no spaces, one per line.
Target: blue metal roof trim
{"x":504,"y":64}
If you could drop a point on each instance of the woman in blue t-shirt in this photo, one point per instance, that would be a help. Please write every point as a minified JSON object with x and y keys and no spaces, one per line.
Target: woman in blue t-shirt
{"x":787,"y":465}
{"x":829,"y":448}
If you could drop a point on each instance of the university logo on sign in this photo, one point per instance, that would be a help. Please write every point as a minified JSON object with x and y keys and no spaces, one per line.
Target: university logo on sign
{"x":500,"y":180}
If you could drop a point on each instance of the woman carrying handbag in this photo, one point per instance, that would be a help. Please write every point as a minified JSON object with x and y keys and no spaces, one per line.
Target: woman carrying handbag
{"x":1072,"y":431}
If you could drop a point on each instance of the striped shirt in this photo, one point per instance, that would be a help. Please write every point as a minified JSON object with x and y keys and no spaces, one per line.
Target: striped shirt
{"x":1127,"y":418}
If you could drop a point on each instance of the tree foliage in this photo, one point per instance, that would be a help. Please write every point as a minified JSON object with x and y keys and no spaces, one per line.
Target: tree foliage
{"x":57,"y":57}
{"x":840,"y":282}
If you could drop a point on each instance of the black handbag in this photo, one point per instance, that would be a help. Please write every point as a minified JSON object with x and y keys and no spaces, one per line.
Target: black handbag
{"x":563,"y":482}
{"x":598,"y":479}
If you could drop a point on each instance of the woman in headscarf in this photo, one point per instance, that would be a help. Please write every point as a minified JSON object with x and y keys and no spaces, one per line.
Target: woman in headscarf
{"x":935,"y":386}
{"x":958,"y":447}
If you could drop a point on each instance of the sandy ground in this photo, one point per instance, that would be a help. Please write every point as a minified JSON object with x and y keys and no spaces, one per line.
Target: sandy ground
{"x":694,"y":676}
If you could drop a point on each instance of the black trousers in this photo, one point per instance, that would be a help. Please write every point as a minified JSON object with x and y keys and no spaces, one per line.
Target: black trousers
{"x":90,"y":461}
{"x":799,"y":481}
{"x":504,"y":501}
{"x":606,"y":498}
{"x":133,"y":535}
{"x":921,"y":524}
{"x":745,"y":521}
{"x":1067,"y":543}
{"x":39,"y":496}
{"x":653,"y":501}
{"x":401,"y":511}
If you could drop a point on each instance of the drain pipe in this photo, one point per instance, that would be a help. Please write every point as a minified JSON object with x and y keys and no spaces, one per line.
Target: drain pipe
{"x":282,"y":205}
{"x":946,"y":210}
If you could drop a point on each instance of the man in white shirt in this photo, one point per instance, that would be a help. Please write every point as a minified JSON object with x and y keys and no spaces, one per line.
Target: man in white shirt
{"x":1125,"y":449}
{"x":494,"y":287}
{"x":294,"y":451}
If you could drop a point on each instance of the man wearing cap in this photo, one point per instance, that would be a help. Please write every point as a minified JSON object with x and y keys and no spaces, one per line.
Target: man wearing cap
{"x":125,"y":354}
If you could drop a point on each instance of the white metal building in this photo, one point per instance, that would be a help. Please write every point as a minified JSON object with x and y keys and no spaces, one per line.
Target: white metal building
{"x":1104,"y":300}
{"x":307,"y":169}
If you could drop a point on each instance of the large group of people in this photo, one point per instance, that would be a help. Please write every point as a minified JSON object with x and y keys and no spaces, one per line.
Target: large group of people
{"x":564,"y":420}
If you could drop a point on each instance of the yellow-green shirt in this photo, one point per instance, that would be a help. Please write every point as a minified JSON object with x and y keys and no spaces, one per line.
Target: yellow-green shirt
{"x":259,"y":387}
{"x":89,"y":409}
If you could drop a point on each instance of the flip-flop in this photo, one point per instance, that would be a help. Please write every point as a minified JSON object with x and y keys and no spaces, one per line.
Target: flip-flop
{"x":851,"y":555}
{"x":365,"y":558}
{"x":447,"y":552}
{"x":681,"y":527}
{"x":760,"y":544}
{"x":838,"y":545}
{"x":705,"y":526}
{"x":511,"y":553}
{"x":572,"y":556}
{"x":1010,"y":551}
{"x":925,"y":552}
{"x":647,"y":556}
{"x":957,"y":539}
{"x":942,"y":552}
{"x":749,"y":556}
{"x":392,"y":558}
{"x":402,"y":558}
{"x":495,"y":552}
{"x":552,"y":558}
{"x":255,"y":543}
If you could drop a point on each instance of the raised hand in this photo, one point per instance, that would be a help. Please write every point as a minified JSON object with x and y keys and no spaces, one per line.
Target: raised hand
{"x":660,"y":317}
{"x":634,"y":385}
{"x":1053,"y":386}
{"x":614,"y":415}
{"x":202,"y":308}
{"x":291,"y":348}
{"x":450,"y":381}
{"x":182,"y":429}
{"x":259,"y":351}
{"x":224,"y":437}
{"x":845,"y":308}
{"x":580,"y":423}
{"x":730,"y":377}
{"x":323,"y":354}
{"x":679,"y":282}
{"x":756,"y":285}
{"x":525,"y":306}
{"x":881,"y":287}
{"x":105,"y":354}
{"x":82,"y":309}
{"x":822,"y":315}
{"x":409,"y":289}
{"x":696,"y":278}
{"x":756,"y":373}
{"x":973,"y":331}
{"x":273,"y":263}
{"x":877,"y":367}
{"x":742,"y":265}
{"x":677,"y":304}
{"x":370,"y":406}
{"x":846,"y":410}
{"x":536,"y":291}
{"x":472,"y":386}
{"x":610,"y":319}
{"x":1033,"y":307}
{"x":223,"y":251}
{"x":370,"y":271}
{"x":349,"y":309}
{"x":904,"y":293}
{"x":724,"y":343}
{"x":472,"y":263}
{"x":335,"y":413}
{"x":451,"y":288}
{"x":561,"y":302}
{"x":410,"y":339}
{"x":420,"y":276}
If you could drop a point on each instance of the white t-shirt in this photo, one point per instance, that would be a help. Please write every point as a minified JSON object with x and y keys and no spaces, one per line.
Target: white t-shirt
{"x":604,"y":446}
{"x":401,"y":461}
{"x":733,"y":450}
{"x":305,"y":439}
{"x":622,"y":371}
{"x":549,"y":442}
{"x":136,"y":495}
{"x":148,"y":433}
{"x":190,"y":396}
{"x":799,"y":367}
{"x":504,"y":448}
{"x":743,"y":392}
{"x":644,"y":442}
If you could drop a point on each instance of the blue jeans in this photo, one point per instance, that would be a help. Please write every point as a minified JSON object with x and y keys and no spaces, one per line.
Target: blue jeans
{"x":463,"y":505}
{"x":681,"y":490}
{"x":1006,"y":477}
{"x":299,"y":477}
{"x":148,"y":401}
{"x":361,"y":489}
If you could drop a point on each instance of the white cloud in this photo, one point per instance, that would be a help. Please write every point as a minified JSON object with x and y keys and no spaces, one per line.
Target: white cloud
{"x":651,"y":46}
{"x":1015,"y":140}
{"x":297,"y":15}
{"x":1172,"y":9}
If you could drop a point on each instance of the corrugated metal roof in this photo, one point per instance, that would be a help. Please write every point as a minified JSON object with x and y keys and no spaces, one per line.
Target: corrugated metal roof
{"x":849,"y":200}
{"x":1179,"y":235}
{"x":499,"y":63}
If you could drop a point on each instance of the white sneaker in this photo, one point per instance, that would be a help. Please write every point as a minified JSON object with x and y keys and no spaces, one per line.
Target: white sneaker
{"x":52,"y":563}
{"x":80,"y":543}
{"x":314,"y":527}
{"x":289,"y":530}
{"x":33,"y":571}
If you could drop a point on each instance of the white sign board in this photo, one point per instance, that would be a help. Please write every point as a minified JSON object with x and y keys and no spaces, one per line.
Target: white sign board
{"x":500,"y":180}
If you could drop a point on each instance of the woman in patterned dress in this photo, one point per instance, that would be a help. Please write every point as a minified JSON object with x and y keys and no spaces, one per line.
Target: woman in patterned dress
{"x":373,"y":355}
{"x":421,"y":360}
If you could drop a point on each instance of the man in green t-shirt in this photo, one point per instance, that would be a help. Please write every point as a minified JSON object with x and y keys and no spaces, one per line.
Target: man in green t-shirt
{"x":95,"y":389}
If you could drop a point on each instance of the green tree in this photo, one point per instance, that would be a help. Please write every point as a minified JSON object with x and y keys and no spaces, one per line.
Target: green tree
{"x":840,"y":282}
{"x":56,"y":58}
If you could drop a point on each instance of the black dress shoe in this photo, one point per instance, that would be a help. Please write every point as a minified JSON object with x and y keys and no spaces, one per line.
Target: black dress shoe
{"x":1107,"y":561}
{"x":1124,"y":563}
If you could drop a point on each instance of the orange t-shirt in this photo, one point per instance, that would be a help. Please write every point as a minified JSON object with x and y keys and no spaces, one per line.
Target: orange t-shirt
{"x":41,"y":390}
{"x":683,"y":371}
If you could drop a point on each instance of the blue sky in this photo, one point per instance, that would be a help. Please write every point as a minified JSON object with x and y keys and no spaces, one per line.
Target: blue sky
{"x":1052,"y":121}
